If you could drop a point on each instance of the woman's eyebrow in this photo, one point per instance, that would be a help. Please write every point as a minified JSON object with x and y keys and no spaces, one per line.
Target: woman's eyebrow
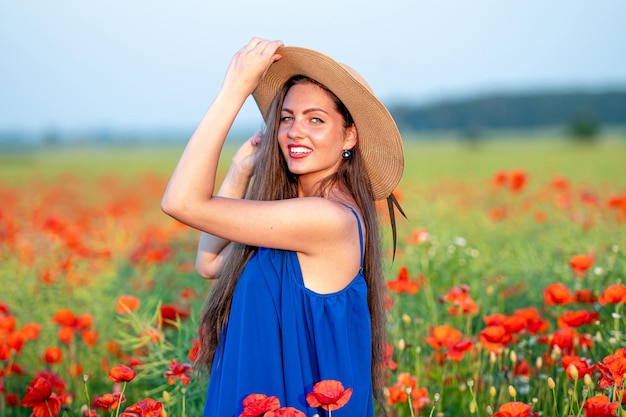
{"x":312,"y":109}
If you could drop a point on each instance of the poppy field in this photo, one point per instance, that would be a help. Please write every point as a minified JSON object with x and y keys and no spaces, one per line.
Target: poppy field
{"x":505,"y":296}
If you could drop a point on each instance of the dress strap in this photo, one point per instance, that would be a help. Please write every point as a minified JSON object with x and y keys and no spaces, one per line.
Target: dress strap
{"x":358,"y":222}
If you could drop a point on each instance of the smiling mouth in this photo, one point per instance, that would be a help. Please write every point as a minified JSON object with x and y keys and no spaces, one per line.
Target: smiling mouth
{"x":299,"y":150}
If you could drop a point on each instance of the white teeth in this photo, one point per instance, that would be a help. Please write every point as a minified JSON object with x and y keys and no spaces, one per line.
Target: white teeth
{"x":299,"y":149}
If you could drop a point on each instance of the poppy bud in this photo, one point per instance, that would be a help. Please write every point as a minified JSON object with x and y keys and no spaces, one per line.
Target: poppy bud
{"x":167,"y":397}
{"x":401,"y":345}
{"x":512,"y":391}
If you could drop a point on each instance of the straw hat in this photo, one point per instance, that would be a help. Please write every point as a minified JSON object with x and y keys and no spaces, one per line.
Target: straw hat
{"x":380,"y":142}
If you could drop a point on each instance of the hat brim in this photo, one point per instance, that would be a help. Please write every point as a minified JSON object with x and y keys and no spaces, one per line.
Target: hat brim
{"x":380,"y":142}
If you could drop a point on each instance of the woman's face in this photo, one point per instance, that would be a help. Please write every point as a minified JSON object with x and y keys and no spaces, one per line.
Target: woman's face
{"x":311,"y":133}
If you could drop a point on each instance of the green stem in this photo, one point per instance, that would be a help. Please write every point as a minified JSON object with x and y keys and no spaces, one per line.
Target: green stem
{"x":119,"y":400}
{"x":574,"y":395}
{"x":87,"y":395}
{"x":410,"y":404}
{"x":554,"y":406}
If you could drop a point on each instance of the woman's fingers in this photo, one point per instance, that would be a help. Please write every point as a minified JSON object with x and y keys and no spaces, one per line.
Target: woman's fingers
{"x":256,"y":138}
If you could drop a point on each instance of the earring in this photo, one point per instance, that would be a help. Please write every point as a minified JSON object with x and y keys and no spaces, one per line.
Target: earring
{"x":347,"y":153}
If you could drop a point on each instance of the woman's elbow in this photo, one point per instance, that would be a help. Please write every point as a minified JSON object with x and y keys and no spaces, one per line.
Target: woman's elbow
{"x":171,"y":208}
{"x":206,"y":271}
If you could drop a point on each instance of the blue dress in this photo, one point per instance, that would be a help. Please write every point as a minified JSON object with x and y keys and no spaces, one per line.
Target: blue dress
{"x":283,"y":338}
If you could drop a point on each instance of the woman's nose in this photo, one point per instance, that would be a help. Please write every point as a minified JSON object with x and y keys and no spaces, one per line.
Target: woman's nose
{"x":295,"y":130}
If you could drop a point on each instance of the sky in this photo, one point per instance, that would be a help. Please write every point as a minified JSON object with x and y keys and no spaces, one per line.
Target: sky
{"x":156,"y":64}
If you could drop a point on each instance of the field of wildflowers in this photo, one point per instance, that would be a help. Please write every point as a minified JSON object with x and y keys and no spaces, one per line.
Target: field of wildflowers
{"x":505,"y":297}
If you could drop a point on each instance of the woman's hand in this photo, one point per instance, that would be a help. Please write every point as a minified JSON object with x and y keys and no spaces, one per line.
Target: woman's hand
{"x":246,"y":156}
{"x":249,"y":65}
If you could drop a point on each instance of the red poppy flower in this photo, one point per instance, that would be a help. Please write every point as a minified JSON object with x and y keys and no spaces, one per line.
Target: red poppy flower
{"x":64,"y":317}
{"x":30,"y":331}
{"x":568,"y":339}
{"x":461,"y":301}
{"x":600,"y":406}
{"x":84,"y":321}
{"x":65,"y":335}
{"x":419,"y":398}
{"x":171,"y":314}
{"x":126,"y":304}
{"x":285,"y":412}
{"x":419,"y":236}
{"x":257,"y":405}
{"x":613,"y":369}
{"x":144,"y":408}
{"x":613,"y":294}
{"x":534,"y":323}
{"x":517,"y":179}
{"x":121,"y":373}
{"x":497,"y":214}
{"x":11,"y":398}
{"x":178,"y":370}
{"x":76,"y":370}
{"x":512,"y":324}
{"x":396,"y":394}
{"x":388,"y":357}
{"x":406,"y":380}
{"x":577,"y":318}
{"x":494,"y":338}
{"x":109,"y":401}
{"x":4,"y":310}
{"x":151,"y":254}
{"x":580,"y":264}
{"x":514,"y":409}
{"x":521,"y":368}
{"x":41,"y":399}
{"x":90,"y":337}
{"x":500,"y":178}
{"x":582,"y":366}
{"x":403,"y":283}
{"x":560,"y":183}
{"x":7,"y":325}
{"x":56,"y":382}
{"x":329,"y":394}
{"x":584,"y":296}
{"x":194,"y":351}
{"x":443,"y":337}
{"x":457,"y":351}
{"x":53,"y":354}
{"x":557,"y":293}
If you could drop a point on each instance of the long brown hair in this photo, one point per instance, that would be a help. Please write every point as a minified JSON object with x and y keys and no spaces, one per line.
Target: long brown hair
{"x":272,"y":180}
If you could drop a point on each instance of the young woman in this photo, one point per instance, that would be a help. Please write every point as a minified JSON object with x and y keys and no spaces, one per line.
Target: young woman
{"x":292,"y":233}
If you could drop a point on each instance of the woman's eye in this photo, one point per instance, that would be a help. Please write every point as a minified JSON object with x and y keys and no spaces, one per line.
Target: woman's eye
{"x":286,"y":118}
{"x":317,"y":120}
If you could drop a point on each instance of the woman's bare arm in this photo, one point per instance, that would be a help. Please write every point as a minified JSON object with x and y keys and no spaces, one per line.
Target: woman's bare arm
{"x":212,"y":249}
{"x":310,"y":225}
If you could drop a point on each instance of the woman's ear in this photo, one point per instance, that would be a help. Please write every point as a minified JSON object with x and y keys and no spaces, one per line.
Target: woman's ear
{"x":350,"y":138}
